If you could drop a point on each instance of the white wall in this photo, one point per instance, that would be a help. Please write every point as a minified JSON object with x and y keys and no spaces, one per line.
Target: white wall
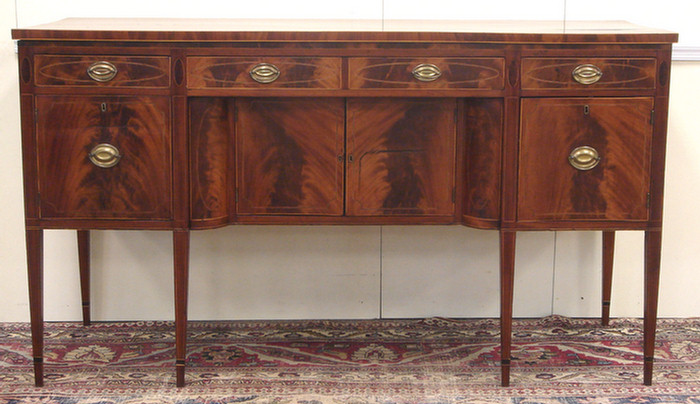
{"x":355,"y":271}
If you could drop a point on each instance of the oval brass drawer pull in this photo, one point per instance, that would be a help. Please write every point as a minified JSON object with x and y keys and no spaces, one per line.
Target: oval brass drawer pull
{"x":264,"y":73}
{"x":426,"y":72}
{"x":104,"y":155}
{"x":587,"y":74}
{"x":584,"y":158}
{"x":102,"y":71}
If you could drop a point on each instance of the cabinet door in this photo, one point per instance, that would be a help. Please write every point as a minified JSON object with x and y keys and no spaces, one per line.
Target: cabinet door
{"x":137,"y":129}
{"x":615,"y":132}
{"x":211,"y":123}
{"x":289,"y":154}
{"x":401,"y":157}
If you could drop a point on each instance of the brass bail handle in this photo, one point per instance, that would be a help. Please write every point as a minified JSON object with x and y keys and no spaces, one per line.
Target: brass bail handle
{"x":264,"y":73}
{"x":104,"y":155}
{"x":587,"y":74}
{"x":102,"y":71}
{"x":584,"y":158}
{"x":426,"y":72}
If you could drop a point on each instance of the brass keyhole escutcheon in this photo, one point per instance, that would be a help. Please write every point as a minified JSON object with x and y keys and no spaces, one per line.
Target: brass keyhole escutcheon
{"x":584,"y":158}
{"x":104,"y":155}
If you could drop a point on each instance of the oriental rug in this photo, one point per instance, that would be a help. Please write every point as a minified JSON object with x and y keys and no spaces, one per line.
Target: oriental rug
{"x":556,"y":360}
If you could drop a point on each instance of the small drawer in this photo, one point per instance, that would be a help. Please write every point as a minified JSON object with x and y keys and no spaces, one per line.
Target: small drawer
{"x":100,"y":70}
{"x":592,"y":73}
{"x":427,"y":73}
{"x":263,"y":72}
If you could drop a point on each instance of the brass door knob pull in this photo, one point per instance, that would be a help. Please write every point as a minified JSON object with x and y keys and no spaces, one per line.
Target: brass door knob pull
{"x":584,"y":158}
{"x":426,"y":72}
{"x":264,"y":73}
{"x":102,"y":71}
{"x":104,"y":155}
{"x":587,"y":74}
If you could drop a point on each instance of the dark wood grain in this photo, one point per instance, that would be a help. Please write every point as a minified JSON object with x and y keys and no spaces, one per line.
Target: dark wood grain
{"x":25,"y":70}
{"x":84,"y":267}
{"x":658,"y":157}
{"x":511,"y":143}
{"x":180,"y":153}
{"x":29,"y":158}
{"x":35,"y":277}
{"x":652,"y":237}
{"x":556,"y":73}
{"x":179,"y":72}
{"x":344,"y":30}
{"x":290,"y":156}
{"x":608,"y":257}
{"x":181,"y":259}
{"x":551,"y":189}
{"x":484,"y":132}
{"x":401,"y":155}
{"x":139,"y":186}
{"x":652,"y":266}
{"x":234,"y":72}
{"x":132,"y":71}
{"x":458,"y":73}
{"x":211,"y":167}
{"x":507,"y":281}
{"x":353,"y":138}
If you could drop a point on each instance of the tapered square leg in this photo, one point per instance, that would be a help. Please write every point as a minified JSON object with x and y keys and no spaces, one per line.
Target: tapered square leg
{"x":608,"y":255}
{"x":507,"y":273}
{"x":181,"y":247}
{"x":84,"y":265}
{"x":35,"y":272}
{"x":652,"y":264}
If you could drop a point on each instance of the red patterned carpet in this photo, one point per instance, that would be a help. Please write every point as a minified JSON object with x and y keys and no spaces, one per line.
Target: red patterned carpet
{"x":432,"y":361}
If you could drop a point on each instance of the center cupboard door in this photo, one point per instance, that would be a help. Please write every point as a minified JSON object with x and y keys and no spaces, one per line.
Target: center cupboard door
{"x":290,"y":156}
{"x":401,"y":157}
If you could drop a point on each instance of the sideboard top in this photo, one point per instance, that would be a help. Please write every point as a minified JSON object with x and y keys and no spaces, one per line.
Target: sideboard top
{"x":248,"y":30}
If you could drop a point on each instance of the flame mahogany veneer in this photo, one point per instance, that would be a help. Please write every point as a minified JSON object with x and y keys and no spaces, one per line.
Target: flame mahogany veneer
{"x":193,"y":124}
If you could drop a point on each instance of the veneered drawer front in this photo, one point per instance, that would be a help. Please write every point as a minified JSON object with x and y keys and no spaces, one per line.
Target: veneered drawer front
{"x":427,"y":73}
{"x":104,"y":157}
{"x":102,"y":70}
{"x":584,"y":159}
{"x":263,"y":72}
{"x":588,"y":73}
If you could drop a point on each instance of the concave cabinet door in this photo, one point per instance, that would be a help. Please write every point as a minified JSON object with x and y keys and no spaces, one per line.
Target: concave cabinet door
{"x":290,"y":156}
{"x":71,"y":186}
{"x":550,"y":188}
{"x":401,"y":157}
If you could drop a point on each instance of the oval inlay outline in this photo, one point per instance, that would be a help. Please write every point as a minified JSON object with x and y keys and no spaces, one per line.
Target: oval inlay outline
{"x":532,"y":74}
{"x":158,"y":73}
{"x":26,"y":70}
{"x":200,"y":71}
{"x":495,"y":73}
{"x":179,"y":72}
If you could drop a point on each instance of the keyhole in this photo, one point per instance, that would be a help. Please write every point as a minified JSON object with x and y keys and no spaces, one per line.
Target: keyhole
{"x":586,"y":110}
{"x":103,"y":107}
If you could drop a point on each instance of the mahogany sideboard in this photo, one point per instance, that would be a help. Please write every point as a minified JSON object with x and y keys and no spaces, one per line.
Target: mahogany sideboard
{"x":194,"y":124}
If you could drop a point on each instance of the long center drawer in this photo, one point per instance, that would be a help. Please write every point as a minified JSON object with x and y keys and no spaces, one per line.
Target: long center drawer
{"x":416,"y":73}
